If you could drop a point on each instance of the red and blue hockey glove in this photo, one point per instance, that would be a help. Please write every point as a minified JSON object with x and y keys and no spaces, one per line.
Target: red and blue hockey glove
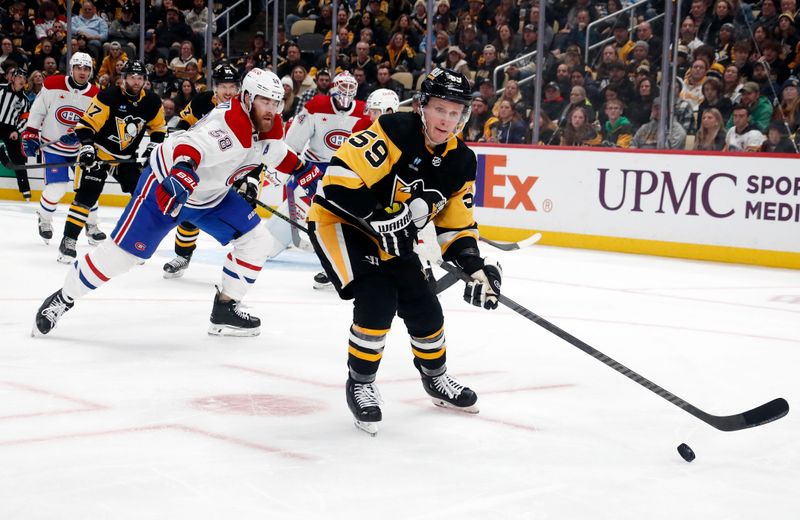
{"x":307,"y":177}
{"x":396,"y":230}
{"x":175,"y":189}
{"x":30,"y":142}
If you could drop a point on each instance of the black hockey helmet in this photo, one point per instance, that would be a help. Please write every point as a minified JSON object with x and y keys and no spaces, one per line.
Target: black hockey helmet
{"x":225,"y":73}
{"x":133,"y":68}
{"x":448,"y":85}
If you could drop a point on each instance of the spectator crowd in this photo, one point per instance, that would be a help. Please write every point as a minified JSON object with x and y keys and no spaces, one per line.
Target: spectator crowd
{"x":736,"y":88}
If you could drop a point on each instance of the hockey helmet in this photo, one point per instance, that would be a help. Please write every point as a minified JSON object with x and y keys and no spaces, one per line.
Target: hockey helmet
{"x":448,"y":85}
{"x":343,"y":89}
{"x":383,"y":100}
{"x":81,"y":59}
{"x":225,"y":73}
{"x":259,"y":82}
{"x":134,"y":68}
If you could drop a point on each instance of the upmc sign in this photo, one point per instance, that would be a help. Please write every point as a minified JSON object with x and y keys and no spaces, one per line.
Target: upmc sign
{"x":601,"y":197}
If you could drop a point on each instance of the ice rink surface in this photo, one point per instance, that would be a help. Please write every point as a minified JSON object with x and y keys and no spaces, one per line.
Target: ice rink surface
{"x":129,"y":410}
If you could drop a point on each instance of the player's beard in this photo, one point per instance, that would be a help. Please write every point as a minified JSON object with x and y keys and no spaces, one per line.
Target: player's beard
{"x":265,"y":123}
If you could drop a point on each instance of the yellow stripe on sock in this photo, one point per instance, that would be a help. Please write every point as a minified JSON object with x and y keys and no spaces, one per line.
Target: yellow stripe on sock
{"x":370,"y":332}
{"x":78,"y":223}
{"x":363,"y":355}
{"x":78,"y":209}
{"x":428,"y":355}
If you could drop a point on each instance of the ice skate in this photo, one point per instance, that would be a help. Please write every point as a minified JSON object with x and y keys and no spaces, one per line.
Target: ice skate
{"x":50,"y":312}
{"x":364,"y":401}
{"x":176,"y":267}
{"x":322,"y":282}
{"x":45,"y":229}
{"x":94,"y":234}
{"x":66,"y":251}
{"x":446,"y":392}
{"x":227,"y":319}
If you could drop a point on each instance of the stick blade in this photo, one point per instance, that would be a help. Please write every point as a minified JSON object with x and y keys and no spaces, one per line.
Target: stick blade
{"x":766,"y":413}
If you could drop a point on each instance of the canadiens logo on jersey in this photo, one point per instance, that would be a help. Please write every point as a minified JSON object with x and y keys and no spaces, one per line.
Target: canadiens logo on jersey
{"x":128,"y":129}
{"x":68,"y":115}
{"x":239,"y":173}
{"x":335,"y":138}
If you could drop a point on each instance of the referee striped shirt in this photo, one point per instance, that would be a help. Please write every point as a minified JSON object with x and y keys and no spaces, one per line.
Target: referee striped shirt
{"x":13,"y":105}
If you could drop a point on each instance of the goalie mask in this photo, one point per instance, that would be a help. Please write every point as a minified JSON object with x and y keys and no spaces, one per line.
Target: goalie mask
{"x":343,"y":90}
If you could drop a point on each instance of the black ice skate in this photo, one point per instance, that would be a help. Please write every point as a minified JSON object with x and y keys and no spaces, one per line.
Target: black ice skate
{"x":176,"y":267}
{"x":227,"y":319}
{"x":66,"y":251}
{"x":45,"y":229}
{"x":322,"y":282}
{"x":50,"y":312}
{"x":449,"y":393}
{"x":364,"y":401}
{"x":94,"y":234}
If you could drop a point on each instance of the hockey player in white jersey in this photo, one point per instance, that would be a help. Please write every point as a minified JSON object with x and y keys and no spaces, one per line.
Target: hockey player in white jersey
{"x":189,"y":178}
{"x":317,"y":132}
{"x":51,"y":123}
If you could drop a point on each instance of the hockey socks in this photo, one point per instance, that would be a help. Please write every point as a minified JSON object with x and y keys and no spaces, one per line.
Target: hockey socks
{"x":364,"y":352}
{"x":186,"y":239}
{"x":96,"y":268}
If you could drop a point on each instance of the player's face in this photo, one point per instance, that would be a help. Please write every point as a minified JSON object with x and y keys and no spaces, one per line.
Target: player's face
{"x":226,"y":91}
{"x":441,"y":119}
{"x":81,"y":74}
{"x":375,"y":113}
{"x":134,"y":84}
{"x":263,"y":113}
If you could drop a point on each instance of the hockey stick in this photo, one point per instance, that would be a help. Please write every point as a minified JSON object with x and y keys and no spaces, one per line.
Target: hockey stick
{"x":443,"y":283}
{"x":759,"y":415}
{"x":62,"y":164}
{"x":513,"y":246}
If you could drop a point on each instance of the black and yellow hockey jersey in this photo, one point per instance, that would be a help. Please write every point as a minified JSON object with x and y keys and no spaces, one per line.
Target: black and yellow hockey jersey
{"x":115,"y":123}
{"x":200,"y":105}
{"x":389,"y":163}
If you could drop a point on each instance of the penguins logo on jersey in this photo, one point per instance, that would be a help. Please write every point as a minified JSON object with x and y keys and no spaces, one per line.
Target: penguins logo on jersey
{"x":127,"y":130}
{"x":406,"y":192}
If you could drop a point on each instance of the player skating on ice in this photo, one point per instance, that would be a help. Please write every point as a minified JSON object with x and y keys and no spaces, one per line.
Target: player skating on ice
{"x":226,"y":85}
{"x":51,"y":128}
{"x":189,"y":177}
{"x":318,"y":131}
{"x":110,"y":130}
{"x":381,"y":187}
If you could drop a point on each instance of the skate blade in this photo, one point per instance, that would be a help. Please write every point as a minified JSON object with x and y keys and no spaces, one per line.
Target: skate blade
{"x":65,"y":259}
{"x":323,"y":286}
{"x":94,"y":242}
{"x":225,"y":330}
{"x":45,"y":240}
{"x":170,"y":276}
{"x":369,"y":427}
{"x":466,"y":409}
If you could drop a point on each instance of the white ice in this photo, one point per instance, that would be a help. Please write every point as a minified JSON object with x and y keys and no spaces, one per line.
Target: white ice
{"x":129,"y":410}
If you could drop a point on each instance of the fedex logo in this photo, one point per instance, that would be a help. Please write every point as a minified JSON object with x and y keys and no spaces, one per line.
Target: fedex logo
{"x":488,"y":180}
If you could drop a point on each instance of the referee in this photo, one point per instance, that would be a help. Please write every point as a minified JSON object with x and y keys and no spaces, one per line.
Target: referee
{"x":13,"y":115}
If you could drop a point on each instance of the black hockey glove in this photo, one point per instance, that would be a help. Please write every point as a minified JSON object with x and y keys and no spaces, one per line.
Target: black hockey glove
{"x":148,"y":151}
{"x":247,"y":187}
{"x":395,"y":229}
{"x":484,"y":288}
{"x":87,"y":157}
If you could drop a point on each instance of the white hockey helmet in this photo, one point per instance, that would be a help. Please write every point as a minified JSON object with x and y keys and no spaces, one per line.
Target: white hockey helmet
{"x":259,"y":82}
{"x":384,"y":100}
{"x":81,"y":59}
{"x":343,"y":89}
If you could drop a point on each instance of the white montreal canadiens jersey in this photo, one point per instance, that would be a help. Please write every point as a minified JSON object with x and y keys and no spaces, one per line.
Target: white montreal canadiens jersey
{"x":323,"y":128}
{"x":225,"y":149}
{"x":57,"y":109}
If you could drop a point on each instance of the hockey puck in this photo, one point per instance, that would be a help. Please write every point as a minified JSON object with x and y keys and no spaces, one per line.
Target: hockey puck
{"x":686,"y":452}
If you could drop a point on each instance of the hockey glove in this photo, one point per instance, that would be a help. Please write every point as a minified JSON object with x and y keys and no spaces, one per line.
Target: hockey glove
{"x":307,"y":177}
{"x":30,"y":142}
{"x":395,"y":228}
{"x":148,"y":151}
{"x":70,"y":138}
{"x":248,"y":188}
{"x":484,"y":288}
{"x":87,"y":157}
{"x":175,"y":189}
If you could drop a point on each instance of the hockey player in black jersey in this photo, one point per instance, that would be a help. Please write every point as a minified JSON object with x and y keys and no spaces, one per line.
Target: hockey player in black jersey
{"x":111,"y":129}
{"x":226,"y":86}
{"x":382,"y":186}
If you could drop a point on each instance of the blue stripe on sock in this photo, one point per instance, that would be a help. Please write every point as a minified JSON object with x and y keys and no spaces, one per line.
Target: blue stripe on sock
{"x":249,"y":280}
{"x":230,"y":273}
{"x":85,"y":281}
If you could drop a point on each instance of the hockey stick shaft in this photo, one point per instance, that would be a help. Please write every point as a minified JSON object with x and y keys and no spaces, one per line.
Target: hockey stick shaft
{"x":763,"y":414}
{"x":62,"y":164}
{"x":513,"y":246}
